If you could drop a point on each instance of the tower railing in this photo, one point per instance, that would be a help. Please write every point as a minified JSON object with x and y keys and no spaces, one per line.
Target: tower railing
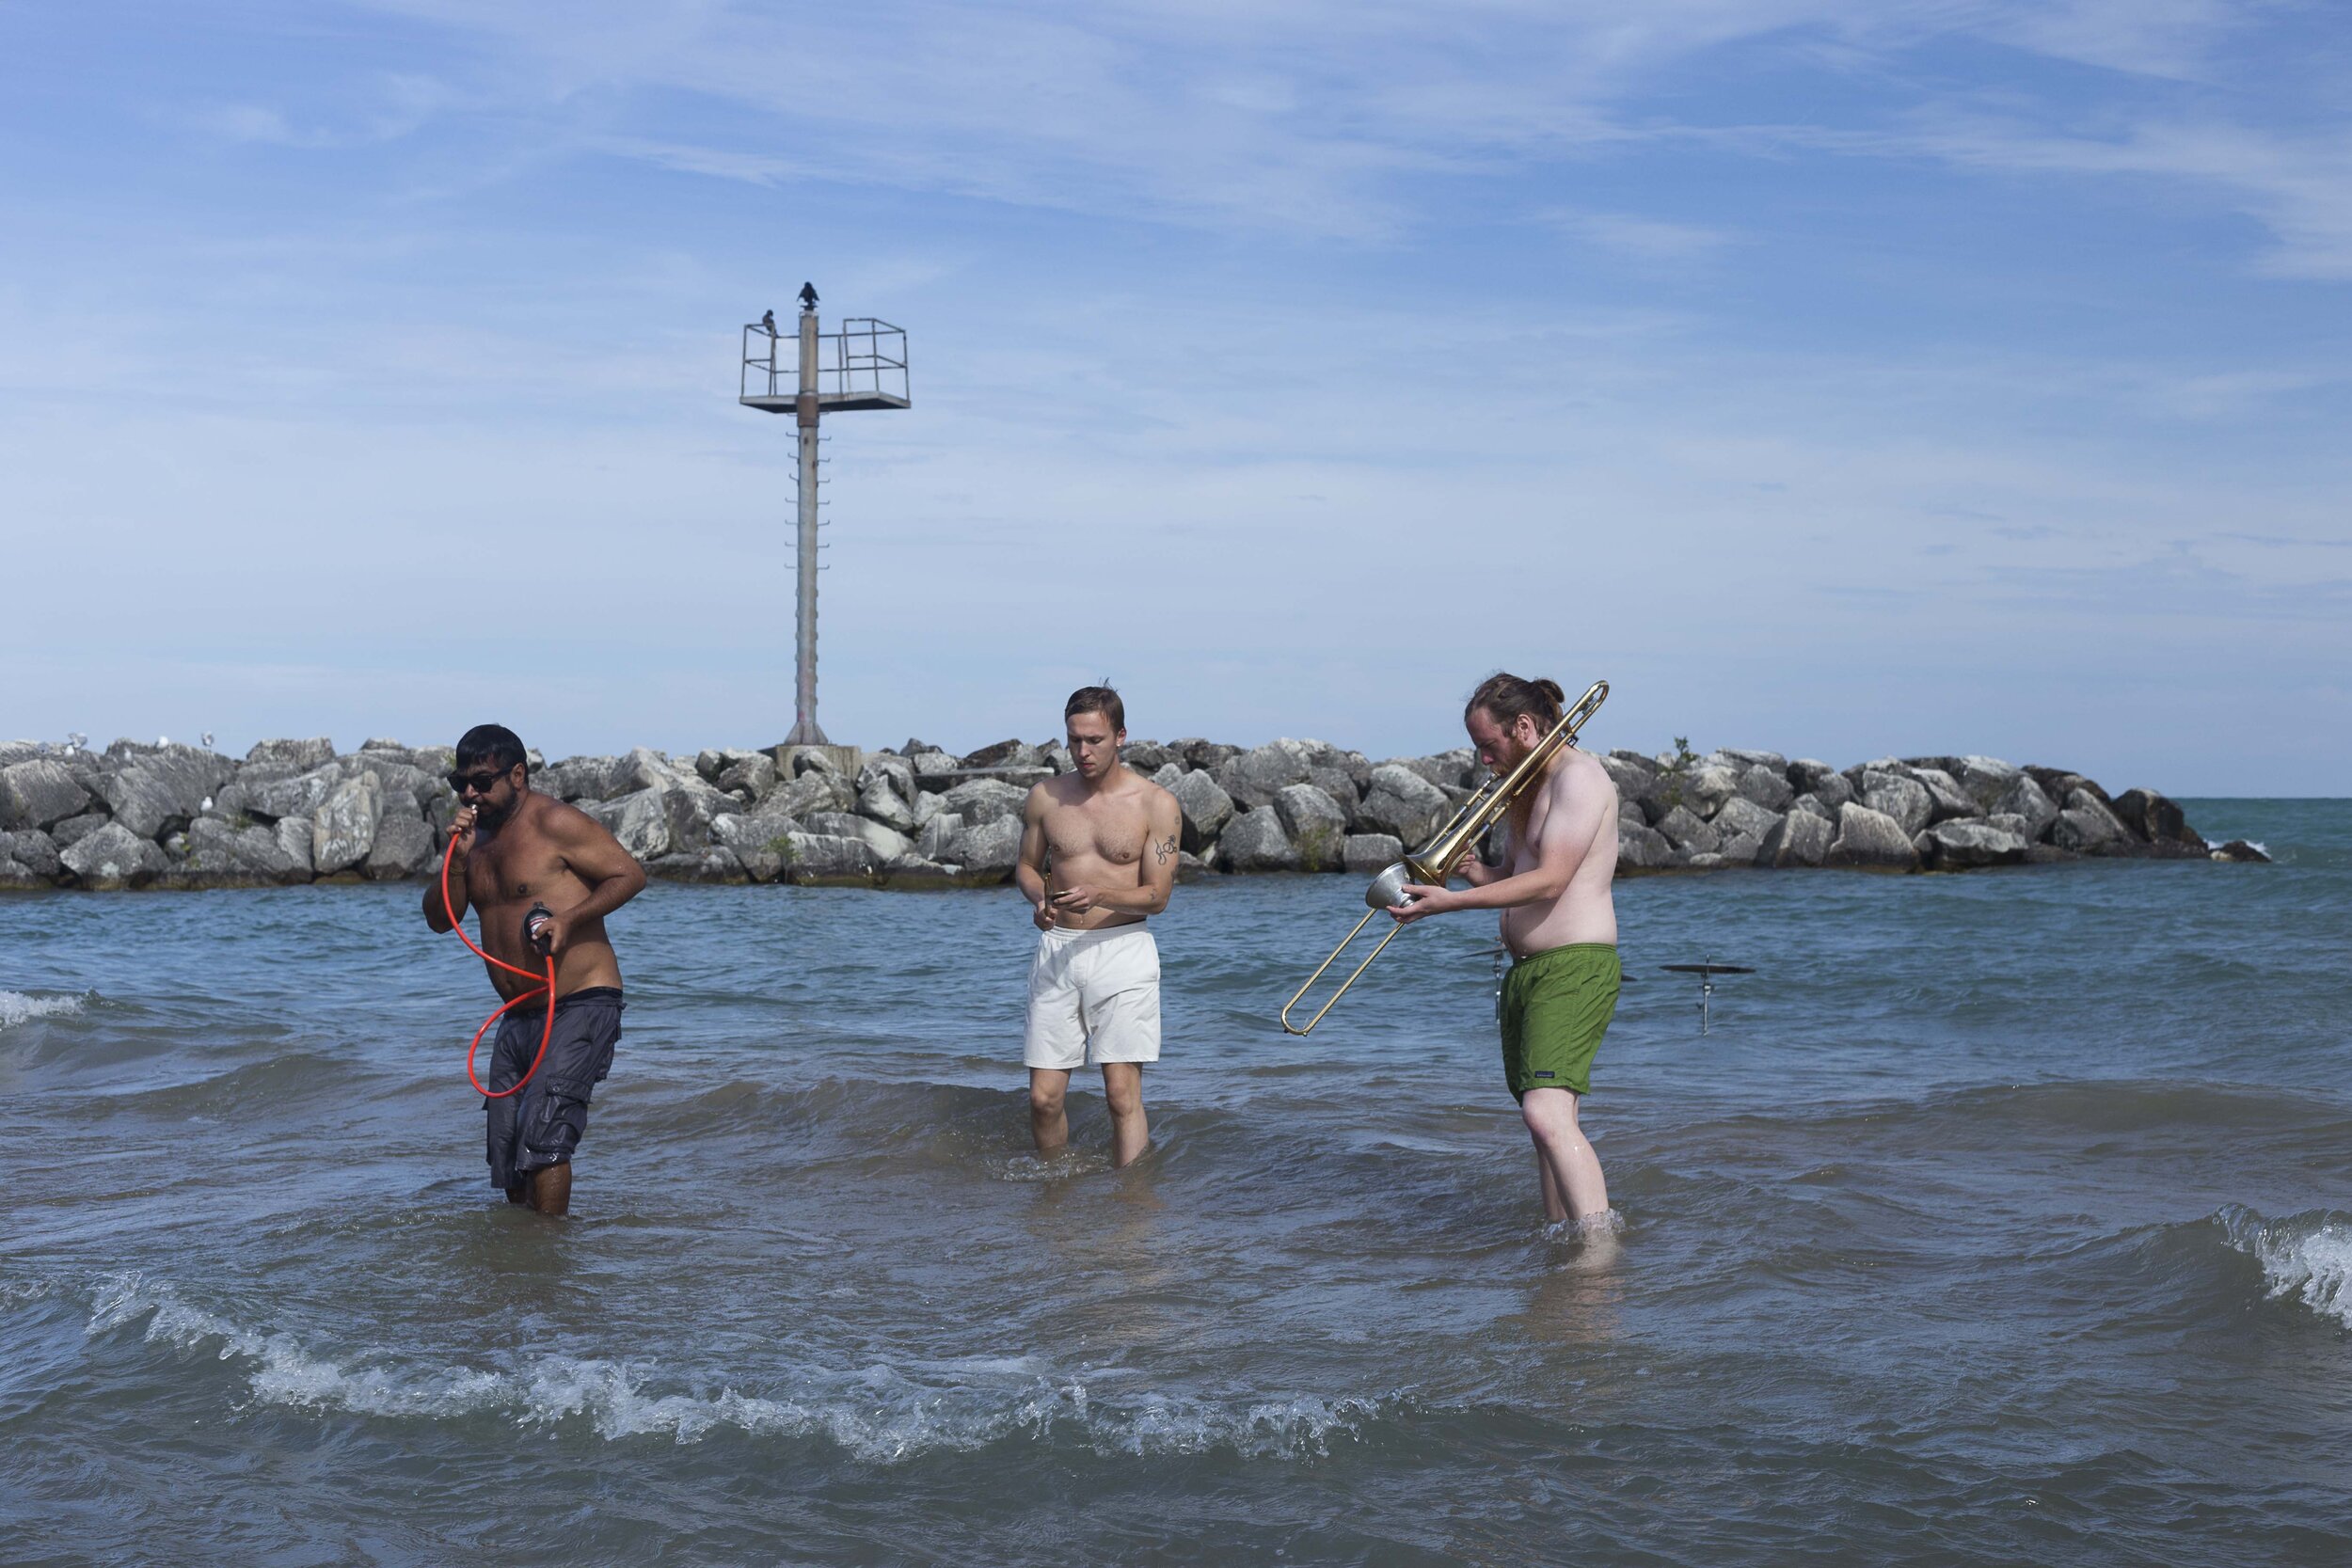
{"x":863,"y":365}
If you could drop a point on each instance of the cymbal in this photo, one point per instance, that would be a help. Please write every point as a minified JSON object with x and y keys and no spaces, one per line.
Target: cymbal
{"x":1709,"y":969}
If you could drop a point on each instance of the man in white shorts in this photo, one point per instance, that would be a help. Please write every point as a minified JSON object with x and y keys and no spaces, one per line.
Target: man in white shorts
{"x":1110,"y":837}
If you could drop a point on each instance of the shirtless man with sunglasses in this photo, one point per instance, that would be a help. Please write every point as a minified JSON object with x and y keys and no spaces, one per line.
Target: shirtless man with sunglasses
{"x":542,"y":875}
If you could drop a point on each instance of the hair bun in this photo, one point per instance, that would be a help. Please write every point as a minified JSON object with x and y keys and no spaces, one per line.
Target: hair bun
{"x":1551,"y":690}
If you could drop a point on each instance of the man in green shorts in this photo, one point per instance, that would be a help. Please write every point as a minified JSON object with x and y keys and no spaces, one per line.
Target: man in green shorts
{"x":1552,"y":889}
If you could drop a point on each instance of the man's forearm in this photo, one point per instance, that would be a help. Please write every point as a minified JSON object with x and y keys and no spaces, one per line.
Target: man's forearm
{"x":1135,"y":900}
{"x":606,"y":896}
{"x":1509,"y":893}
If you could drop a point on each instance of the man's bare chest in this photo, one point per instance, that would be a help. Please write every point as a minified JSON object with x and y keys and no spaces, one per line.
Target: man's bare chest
{"x":1115,"y":836}
{"x":512,"y":871}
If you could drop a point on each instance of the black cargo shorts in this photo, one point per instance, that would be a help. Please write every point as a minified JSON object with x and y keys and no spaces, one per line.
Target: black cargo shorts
{"x":542,"y":1126}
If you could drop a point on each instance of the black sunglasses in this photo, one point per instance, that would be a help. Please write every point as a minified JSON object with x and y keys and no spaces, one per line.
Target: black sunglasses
{"x":479,"y":782}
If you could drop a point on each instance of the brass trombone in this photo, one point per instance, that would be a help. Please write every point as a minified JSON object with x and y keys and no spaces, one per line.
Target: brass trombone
{"x":1435,"y":861}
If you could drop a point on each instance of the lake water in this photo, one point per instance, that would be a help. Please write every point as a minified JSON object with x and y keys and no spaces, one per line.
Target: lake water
{"x":2000,"y":1218}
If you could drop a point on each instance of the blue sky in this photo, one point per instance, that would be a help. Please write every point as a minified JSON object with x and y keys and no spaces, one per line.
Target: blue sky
{"x":1838,"y":377}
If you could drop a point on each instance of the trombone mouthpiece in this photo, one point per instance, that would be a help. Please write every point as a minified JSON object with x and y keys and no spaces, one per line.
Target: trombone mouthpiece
{"x":1388,"y":889}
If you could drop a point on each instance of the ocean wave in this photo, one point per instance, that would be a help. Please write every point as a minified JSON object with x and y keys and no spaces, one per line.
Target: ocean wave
{"x":2307,"y":1256}
{"x":878,"y":1413}
{"x":18,"y":1007}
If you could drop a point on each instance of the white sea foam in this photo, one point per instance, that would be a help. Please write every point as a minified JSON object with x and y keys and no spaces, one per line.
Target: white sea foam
{"x":2307,"y":1258}
{"x":16,"y":1008}
{"x":878,"y":1413}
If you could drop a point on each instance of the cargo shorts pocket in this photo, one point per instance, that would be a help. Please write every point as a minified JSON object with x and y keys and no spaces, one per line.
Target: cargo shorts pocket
{"x":558,"y":1119}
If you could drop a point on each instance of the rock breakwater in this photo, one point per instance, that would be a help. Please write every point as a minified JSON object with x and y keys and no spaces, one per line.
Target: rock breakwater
{"x":917,"y":815}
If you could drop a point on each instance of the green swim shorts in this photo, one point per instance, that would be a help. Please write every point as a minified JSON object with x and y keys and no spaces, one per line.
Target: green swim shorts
{"x":1555,"y":1006}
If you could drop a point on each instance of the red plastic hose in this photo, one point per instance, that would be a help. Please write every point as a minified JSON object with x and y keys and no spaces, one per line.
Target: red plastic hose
{"x":546,"y":1031}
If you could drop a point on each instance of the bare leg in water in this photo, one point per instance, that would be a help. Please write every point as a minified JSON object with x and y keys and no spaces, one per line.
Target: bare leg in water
{"x":1122,"y":1089}
{"x":1565,"y":1161}
{"x":548,"y":1190}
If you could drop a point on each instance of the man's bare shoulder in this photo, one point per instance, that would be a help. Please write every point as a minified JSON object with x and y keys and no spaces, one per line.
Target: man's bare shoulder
{"x":1062,"y":789}
{"x":563,"y":821}
{"x":1582,"y":776}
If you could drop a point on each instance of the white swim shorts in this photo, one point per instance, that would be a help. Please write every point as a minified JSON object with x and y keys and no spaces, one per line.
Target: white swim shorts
{"x":1098,"y":989}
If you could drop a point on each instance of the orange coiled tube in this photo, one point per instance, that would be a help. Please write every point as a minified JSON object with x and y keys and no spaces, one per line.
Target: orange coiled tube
{"x":546,"y":1031}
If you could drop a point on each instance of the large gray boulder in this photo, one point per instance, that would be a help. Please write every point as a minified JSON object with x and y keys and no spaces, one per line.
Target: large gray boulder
{"x":1805,"y":775}
{"x":1963,"y":844}
{"x":591,"y":778}
{"x":1205,"y":806}
{"x":692,"y":806}
{"x":1869,"y":840}
{"x":2155,"y":818}
{"x":297,"y":756}
{"x":640,"y":819}
{"x":74,"y":829}
{"x":888,"y":842}
{"x":1643,"y":848}
{"x":1742,"y":818}
{"x":984,"y":850}
{"x":894,"y":772}
{"x":1369,"y":854}
{"x":1905,"y":800}
{"x":2022,"y":797}
{"x":934,"y":769}
{"x":933,"y":837}
{"x":403,"y":843}
{"x":114,"y":857}
{"x":1455,"y":772}
{"x":343,"y":831}
{"x":914,"y":871}
{"x":826,"y":859}
{"x":220,"y":852}
{"x":1986,"y":779}
{"x":1402,"y":802}
{"x":1812,"y":805}
{"x":31,"y":848}
{"x":750,"y":775}
{"x":759,"y":840}
{"x":814,"y":790}
{"x":163,"y":788}
{"x":1802,"y":838}
{"x":1700,"y":789}
{"x":712,"y":863}
{"x":1946,"y":800}
{"x":879,"y":798}
{"x":1740,"y":759}
{"x":37,"y":793}
{"x":1630,"y":773}
{"x":1253,"y":778}
{"x":1314,"y":824}
{"x":1767,"y":787}
{"x":1005,"y":753}
{"x":265,"y":790}
{"x":16,"y":877}
{"x":979,"y":802}
{"x":1681,"y":827}
{"x":1254,"y":841}
{"x":2087,"y":827}
{"x":646,"y":768}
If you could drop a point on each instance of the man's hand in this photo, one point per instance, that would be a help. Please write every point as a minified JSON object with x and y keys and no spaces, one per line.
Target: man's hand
{"x":1043,"y":917}
{"x":1421,"y":900}
{"x":554,"y":934}
{"x":461,"y":829}
{"x":1081,"y":900}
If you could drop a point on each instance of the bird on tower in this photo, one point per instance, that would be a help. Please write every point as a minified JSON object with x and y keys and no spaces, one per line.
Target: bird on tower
{"x":808,"y":298}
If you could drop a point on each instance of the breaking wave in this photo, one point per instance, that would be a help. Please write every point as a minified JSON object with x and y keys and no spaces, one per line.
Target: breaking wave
{"x":878,"y":1413}
{"x":17,"y":1008}
{"x":2305,"y":1258}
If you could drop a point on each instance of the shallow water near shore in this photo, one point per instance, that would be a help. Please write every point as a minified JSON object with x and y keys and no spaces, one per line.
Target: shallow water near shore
{"x":2000,"y":1217}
